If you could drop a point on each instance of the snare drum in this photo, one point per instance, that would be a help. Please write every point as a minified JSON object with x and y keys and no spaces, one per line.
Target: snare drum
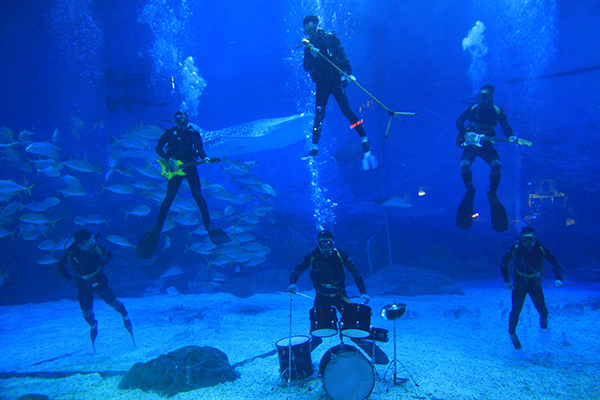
{"x":378,"y":335}
{"x":347,"y":374}
{"x":323,"y":322}
{"x":356,"y":320}
{"x":301,"y":362}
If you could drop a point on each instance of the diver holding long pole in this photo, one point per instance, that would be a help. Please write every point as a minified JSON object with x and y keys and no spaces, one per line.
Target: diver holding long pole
{"x":320,"y":42}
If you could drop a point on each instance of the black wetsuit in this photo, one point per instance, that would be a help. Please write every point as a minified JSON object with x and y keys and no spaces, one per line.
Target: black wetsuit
{"x":89,"y":278}
{"x":482,"y":120}
{"x":528,"y":279}
{"x":328,"y":80}
{"x":185,"y":146}
{"x":328,"y":277}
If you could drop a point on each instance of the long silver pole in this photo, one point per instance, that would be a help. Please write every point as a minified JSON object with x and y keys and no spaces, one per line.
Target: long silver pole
{"x":290,"y":346}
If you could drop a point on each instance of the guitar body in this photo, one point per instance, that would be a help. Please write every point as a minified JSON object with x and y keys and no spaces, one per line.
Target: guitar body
{"x":168,"y":172}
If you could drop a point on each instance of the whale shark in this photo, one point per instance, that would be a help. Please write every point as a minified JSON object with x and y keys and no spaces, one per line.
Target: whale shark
{"x":250,"y":137}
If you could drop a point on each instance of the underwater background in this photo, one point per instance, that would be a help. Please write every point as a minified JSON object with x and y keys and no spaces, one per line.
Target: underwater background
{"x":89,"y":77}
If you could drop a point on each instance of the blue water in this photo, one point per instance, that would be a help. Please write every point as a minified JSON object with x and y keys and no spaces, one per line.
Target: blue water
{"x":62,"y":59}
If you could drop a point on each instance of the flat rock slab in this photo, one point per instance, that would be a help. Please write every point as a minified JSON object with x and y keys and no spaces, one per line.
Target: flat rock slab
{"x":182,"y":370}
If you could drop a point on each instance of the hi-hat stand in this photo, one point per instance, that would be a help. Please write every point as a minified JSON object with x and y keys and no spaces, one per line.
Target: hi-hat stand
{"x":392,"y":312}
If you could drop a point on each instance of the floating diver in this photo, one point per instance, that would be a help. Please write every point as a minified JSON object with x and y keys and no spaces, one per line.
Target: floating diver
{"x":476,"y":139}
{"x":529,"y":255}
{"x":183,"y":149}
{"x":331,"y":72}
{"x":87,"y":259}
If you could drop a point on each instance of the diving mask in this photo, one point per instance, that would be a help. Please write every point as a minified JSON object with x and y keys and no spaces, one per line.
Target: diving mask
{"x":528,"y":239}
{"x":326,"y":245}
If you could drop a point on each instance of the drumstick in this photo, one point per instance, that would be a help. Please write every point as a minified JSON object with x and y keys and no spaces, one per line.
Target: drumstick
{"x":298,"y":293}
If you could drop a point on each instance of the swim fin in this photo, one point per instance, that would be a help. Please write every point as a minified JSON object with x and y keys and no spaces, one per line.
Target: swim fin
{"x":148,"y":244}
{"x":499,"y":216}
{"x":369,"y":161}
{"x":218,"y":236}
{"x":464,"y":215}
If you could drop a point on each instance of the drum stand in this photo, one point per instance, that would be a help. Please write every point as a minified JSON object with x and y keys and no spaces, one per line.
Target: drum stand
{"x":289,"y":369}
{"x":392,"y":312}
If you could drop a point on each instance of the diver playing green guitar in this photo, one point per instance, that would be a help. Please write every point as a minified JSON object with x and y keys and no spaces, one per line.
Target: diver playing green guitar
{"x":180,"y":148}
{"x":174,"y":167}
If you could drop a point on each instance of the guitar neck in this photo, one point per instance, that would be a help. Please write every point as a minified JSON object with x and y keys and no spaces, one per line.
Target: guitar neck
{"x":191,"y":164}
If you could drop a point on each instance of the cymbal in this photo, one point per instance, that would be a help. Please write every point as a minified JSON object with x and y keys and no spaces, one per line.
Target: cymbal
{"x":393,"y":311}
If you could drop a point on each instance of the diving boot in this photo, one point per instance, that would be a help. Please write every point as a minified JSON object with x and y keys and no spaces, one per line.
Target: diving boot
{"x":127,"y":324}
{"x":516,"y":342}
{"x":94,"y":334}
{"x":312,"y":154}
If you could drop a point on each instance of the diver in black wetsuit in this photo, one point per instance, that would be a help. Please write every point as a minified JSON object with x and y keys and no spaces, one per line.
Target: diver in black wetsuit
{"x":331,"y":82}
{"x":328,"y":275}
{"x":483,"y":118}
{"x":529,"y":255}
{"x":182,"y":143}
{"x":87,"y":259}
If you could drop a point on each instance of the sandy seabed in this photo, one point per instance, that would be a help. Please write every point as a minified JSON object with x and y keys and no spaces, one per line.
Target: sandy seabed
{"x":448,"y":347}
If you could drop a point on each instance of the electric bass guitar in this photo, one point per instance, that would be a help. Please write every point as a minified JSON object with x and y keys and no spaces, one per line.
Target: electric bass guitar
{"x":472,"y":138}
{"x":169,"y":172}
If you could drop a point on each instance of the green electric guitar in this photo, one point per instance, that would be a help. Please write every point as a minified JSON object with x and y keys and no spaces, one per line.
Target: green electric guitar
{"x":472,"y":138}
{"x":169,"y":172}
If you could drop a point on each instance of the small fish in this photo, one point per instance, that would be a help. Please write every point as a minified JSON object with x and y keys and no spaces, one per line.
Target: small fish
{"x":172,"y":291}
{"x":139,"y":210}
{"x":82,"y":166}
{"x":36,"y":206}
{"x":3,"y":276}
{"x":119,"y":188}
{"x":4,"y":232}
{"x":167,"y":243}
{"x":55,"y":135}
{"x":230,"y":209}
{"x":10,"y":209}
{"x":75,"y":120}
{"x":72,"y":191}
{"x":47,"y":260}
{"x":119,"y":240}
{"x":43,"y":149}
{"x":53,"y":172}
{"x":51,"y":201}
{"x":36,"y":219}
{"x":79,"y":220}
{"x":11,"y":187}
{"x":95,"y":219}
{"x":47,"y":245}
{"x":25,"y":135}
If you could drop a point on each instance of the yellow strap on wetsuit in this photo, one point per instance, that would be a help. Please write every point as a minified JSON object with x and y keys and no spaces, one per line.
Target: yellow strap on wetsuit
{"x":528,"y":275}
{"x":93,"y":274}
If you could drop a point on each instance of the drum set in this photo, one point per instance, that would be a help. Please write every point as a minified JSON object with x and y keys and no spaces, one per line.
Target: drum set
{"x":347,"y":374}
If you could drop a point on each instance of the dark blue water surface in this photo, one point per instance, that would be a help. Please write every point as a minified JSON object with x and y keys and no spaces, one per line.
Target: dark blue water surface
{"x":65,"y":61}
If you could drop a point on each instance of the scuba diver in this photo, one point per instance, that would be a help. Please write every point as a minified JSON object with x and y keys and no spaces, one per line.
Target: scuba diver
{"x":324,"y":58}
{"x":183,"y":149}
{"x":87,"y":258}
{"x":328,"y":277}
{"x":483,"y":118}
{"x":529,"y":255}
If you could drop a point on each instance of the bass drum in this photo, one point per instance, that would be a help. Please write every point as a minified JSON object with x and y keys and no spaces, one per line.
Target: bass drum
{"x":346,"y":373}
